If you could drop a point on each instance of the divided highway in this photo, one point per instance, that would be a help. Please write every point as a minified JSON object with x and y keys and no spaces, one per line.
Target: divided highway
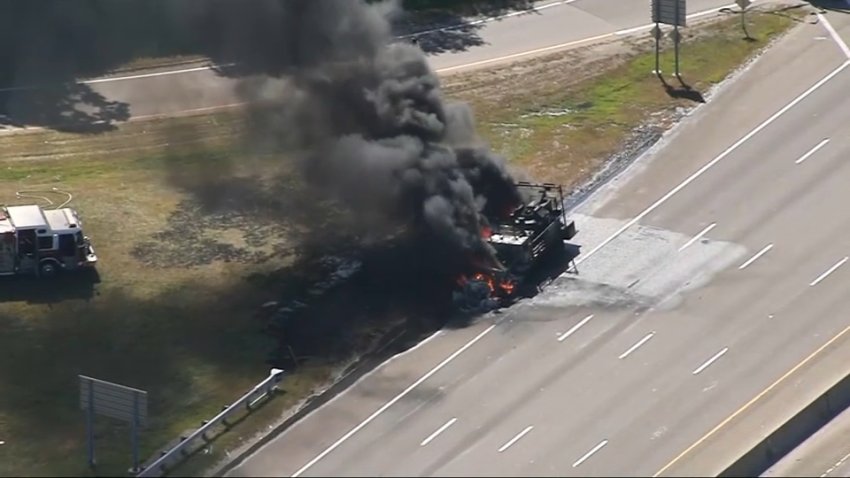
{"x":710,"y":273}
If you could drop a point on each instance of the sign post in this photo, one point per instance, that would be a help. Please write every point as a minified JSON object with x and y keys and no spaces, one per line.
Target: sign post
{"x":115,"y":401}
{"x":668,"y":12}
{"x":744,"y":4}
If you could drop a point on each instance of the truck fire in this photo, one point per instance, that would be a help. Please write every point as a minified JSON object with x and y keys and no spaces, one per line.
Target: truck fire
{"x":520,"y":241}
{"x":40,"y":242}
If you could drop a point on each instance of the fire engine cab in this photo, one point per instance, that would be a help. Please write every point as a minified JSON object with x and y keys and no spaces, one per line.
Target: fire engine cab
{"x":35,"y":241}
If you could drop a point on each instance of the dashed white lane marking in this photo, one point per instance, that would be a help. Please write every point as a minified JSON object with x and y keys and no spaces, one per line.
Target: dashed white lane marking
{"x":711,"y":360}
{"x":637,"y":345}
{"x":836,"y":465}
{"x":812,"y":151}
{"x":439,"y":430}
{"x":516,"y":438}
{"x":828,"y":272}
{"x":698,"y":236}
{"x":574,"y":328}
{"x":693,"y":177}
{"x":756,"y":256}
{"x":590,"y":453}
{"x":394,"y":400}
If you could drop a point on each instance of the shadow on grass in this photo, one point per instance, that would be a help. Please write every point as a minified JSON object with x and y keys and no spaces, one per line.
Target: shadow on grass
{"x":683,"y":91}
{"x":78,"y":285}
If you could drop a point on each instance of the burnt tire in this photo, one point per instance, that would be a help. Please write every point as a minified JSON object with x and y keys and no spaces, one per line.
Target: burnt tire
{"x":48,"y":269}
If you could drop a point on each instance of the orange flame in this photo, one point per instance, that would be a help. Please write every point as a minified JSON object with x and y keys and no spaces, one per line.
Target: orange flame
{"x":486,"y":232}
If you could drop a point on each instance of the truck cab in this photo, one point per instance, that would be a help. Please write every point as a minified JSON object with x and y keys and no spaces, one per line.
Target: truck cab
{"x":35,"y":241}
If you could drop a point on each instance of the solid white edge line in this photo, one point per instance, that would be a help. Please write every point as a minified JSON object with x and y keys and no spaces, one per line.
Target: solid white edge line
{"x":590,"y":453}
{"x":812,"y":151}
{"x":834,"y":34}
{"x":756,"y":256}
{"x":571,"y":43}
{"x":393,"y":401}
{"x":691,"y":16}
{"x":714,"y":161}
{"x":574,"y":328}
{"x":516,"y":438}
{"x":828,"y":272}
{"x":636,"y":345}
{"x":698,"y":236}
{"x":710,"y":361}
{"x":438,"y":431}
{"x":442,"y":70}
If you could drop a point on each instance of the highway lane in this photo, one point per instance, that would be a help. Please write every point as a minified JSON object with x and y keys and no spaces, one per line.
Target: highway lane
{"x":554,"y":27}
{"x":581,"y":409}
{"x":826,"y":453}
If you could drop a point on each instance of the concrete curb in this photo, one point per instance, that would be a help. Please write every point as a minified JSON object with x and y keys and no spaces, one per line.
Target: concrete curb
{"x":793,"y":432}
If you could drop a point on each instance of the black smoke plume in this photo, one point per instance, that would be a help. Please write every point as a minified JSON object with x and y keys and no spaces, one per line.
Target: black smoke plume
{"x":376,"y":132}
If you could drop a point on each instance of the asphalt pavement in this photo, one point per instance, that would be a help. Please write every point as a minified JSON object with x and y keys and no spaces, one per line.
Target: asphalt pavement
{"x":710,"y":270}
{"x":826,"y":453}
{"x":553,"y":26}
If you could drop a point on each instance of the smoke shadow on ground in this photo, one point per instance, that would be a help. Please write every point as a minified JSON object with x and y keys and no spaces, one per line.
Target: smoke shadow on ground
{"x":154,"y":344}
{"x":684,"y":91}
{"x":72,"y":285}
{"x":68,"y":107}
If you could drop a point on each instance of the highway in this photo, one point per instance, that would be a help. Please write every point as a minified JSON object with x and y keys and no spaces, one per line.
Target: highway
{"x":711,"y":274}
{"x":826,"y":453}
{"x":553,"y":26}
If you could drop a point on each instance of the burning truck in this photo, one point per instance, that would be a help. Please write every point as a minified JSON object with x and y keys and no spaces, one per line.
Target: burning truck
{"x":520,"y":241}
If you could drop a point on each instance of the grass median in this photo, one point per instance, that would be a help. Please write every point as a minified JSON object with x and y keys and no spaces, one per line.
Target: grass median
{"x":179,"y":286}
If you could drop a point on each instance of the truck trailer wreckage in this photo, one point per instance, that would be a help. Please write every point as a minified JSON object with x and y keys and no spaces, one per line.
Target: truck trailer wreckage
{"x":42,"y":242}
{"x":533,"y":231}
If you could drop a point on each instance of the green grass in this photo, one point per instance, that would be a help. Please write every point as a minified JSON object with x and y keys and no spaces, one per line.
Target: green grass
{"x":598,"y":114}
{"x":187,"y":334}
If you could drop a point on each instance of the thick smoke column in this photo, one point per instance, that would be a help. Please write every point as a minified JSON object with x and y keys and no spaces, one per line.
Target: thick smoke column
{"x":378,"y":134}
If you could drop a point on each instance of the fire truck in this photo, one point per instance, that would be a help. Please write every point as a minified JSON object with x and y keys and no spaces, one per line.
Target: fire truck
{"x":42,"y":242}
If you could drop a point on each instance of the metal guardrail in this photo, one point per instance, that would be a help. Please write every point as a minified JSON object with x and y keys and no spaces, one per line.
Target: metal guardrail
{"x":178,"y":452}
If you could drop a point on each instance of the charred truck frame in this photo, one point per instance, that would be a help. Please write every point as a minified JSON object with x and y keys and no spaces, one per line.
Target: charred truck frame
{"x":532,"y":231}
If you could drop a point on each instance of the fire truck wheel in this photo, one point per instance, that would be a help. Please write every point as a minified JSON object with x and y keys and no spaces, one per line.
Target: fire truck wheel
{"x":48,"y":269}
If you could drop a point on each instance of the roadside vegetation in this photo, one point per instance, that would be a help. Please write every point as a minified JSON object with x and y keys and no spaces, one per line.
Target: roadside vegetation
{"x":186,"y":264}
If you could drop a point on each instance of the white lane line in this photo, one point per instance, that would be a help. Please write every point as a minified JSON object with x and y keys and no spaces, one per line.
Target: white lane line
{"x":635,"y":346}
{"x":713,"y":162}
{"x":439,"y":430}
{"x":477,"y":63}
{"x":834,"y":34}
{"x":756,"y":256}
{"x":836,"y":465}
{"x":698,"y":236}
{"x":568,"y":44}
{"x":828,"y":272}
{"x":516,"y":438}
{"x":574,"y":328}
{"x":702,"y":13}
{"x":590,"y":453}
{"x":394,"y":400}
{"x":812,"y":151}
{"x":711,"y":360}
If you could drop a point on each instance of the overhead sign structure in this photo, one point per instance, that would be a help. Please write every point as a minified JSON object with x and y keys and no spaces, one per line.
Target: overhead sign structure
{"x":668,"y":12}
{"x":98,"y":397}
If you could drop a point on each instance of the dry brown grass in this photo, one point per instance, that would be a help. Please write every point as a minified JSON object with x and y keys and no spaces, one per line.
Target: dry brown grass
{"x":185,"y":333}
